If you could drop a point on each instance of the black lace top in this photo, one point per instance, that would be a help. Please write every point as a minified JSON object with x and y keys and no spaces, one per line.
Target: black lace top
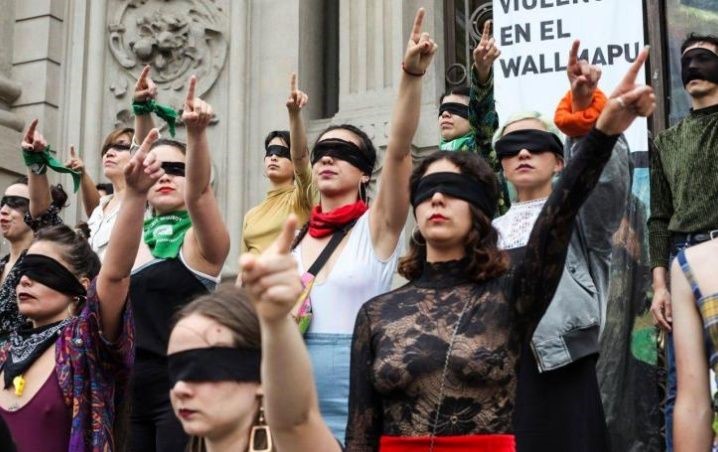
{"x":401,"y":338}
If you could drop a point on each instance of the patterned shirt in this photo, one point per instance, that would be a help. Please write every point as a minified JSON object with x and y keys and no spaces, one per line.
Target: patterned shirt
{"x":93,"y":374}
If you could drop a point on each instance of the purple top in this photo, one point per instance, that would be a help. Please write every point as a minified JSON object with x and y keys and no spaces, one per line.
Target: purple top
{"x":92,"y":374}
{"x":47,"y":409}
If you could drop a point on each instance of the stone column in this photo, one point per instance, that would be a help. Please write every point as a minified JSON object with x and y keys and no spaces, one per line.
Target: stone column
{"x":372,"y":40}
{"x":10,"y":123}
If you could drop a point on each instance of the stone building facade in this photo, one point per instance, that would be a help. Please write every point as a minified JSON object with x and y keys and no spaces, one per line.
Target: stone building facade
{"x":73,"y":65}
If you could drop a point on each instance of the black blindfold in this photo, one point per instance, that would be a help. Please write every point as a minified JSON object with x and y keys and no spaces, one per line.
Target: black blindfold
{"x":119,"y":147}
{"x":699,"y":64}
{"x":455,"y":185}
{"x":15,"y":202}
{"x":455,"y":108}
{"x":532,"y":140}
{"x":215,"y":364}
{"x":278,"y":150}
{"x":174,"y":168}
{"x":49,"y":272}
{"x":343,"y":150}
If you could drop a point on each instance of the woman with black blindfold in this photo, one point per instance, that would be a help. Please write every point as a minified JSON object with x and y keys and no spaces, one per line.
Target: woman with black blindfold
{"x":68,"y":372}
{"x":184,"y":247}
{"x":558,"y":401}
{"x":286,"y":165}
{"x":102,"y":210}
{"x":19,"y":217}
{"x":434,"y":362}
{"x":350,"y":249}
{"x":235,"y":389}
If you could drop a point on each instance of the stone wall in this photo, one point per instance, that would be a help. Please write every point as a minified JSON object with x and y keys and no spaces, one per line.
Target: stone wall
{"x":74,"y":62}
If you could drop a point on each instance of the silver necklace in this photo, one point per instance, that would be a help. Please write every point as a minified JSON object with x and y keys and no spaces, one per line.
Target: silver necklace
{"x":443,"y":374}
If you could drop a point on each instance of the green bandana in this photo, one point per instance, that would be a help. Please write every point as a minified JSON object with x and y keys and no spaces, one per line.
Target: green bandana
{"x":164,"y":234}
{"x":163,"y":111}
{"x":39,"y":161}
{"x":464,"y":143}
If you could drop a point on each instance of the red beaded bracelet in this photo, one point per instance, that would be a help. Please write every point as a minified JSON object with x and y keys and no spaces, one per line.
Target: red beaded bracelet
{"x":413,"y":74}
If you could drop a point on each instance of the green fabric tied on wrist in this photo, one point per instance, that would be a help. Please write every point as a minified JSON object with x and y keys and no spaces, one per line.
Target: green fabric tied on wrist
{"x":39,"y":161}
{"x":163,"y":111}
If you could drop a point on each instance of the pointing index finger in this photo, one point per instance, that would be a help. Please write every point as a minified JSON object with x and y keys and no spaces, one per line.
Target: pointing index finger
{"x":635,"y":68}
{"x":30,"y":135}
{"x":418,"y":22}
{"x":72,"y":151}
{"x":573,"y":53}
{"x":486,"y":35}
{"x":293,"y":82}
{"x":143,"y":75}
{"x":191,"y":89}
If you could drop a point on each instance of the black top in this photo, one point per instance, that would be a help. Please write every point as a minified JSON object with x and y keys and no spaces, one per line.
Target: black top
{"x":401,"y":338}
{"x":157,"y":292}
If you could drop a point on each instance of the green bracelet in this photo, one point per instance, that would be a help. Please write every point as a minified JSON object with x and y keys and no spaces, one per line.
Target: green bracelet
{"x":165,"y":112}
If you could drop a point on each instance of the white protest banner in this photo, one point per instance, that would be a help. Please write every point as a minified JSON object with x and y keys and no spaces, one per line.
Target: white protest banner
{"x":535,"y":37}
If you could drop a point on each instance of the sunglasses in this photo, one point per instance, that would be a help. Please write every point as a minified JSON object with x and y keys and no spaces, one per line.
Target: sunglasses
{"x":120,"y":147}
{"x":174,"y":168}
{"x":15,"y":202}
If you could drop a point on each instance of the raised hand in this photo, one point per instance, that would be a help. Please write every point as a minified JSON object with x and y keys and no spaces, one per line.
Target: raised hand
{"x":485,"y":53}
{"x":143,"y":169}
{"x":75,"y":163}
{"x":33,"y":140}
{"x":628,"y":101}
{"x":196,"y":113}
{"x":420,"y":49}
{"x":272,"y":279}
{"x":145,"y":88}
{"x":297,"y":99}
{"x":583,"y":78}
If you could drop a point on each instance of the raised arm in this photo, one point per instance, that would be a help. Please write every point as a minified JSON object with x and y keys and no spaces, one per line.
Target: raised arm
{"x":274,"y":286}
{"x":298,"y":147}
{"x":37,"y":183}
{"x":482,"y":108}
{"x":539,"y":273}
{"x":388,"y":214}
{"x":145,"y":90}
{"x":208,"y":237}
{"x":88,"y":191}
{"x":113,"y":282}
{"x":693,"y":415}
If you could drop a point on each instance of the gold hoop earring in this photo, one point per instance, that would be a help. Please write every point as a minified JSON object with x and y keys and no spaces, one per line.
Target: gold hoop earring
{"x":260,"y":437}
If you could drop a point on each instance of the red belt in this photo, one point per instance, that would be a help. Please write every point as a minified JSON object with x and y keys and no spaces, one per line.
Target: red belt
{"x":474,"y":443}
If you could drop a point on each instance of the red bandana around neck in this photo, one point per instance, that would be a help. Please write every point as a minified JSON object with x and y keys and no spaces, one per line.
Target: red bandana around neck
{"x":322,"y":224}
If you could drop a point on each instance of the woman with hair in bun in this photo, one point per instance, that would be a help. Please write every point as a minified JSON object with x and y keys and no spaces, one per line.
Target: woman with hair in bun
{"x":67,"y":372}
{"x":434,"y":363}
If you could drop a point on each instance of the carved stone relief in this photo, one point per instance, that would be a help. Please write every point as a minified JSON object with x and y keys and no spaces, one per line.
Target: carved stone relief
{"x":177,"y":38}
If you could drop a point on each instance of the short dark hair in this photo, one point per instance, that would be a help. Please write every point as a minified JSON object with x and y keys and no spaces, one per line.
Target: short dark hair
{"x":106,"y":187}
{"x":57,"y":192}
{"x":461,"y":90}
{"x":283,"y":134}
{"x":694,"y":38}
{"x":485,"y":259}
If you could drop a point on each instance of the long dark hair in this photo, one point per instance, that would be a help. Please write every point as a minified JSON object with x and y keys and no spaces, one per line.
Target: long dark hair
{"x":74,"y":249}
{"x":231,"y":308}
{"x":485,"y":259}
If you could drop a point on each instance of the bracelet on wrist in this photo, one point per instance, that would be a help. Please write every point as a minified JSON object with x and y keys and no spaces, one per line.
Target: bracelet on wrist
{"x":408,"y":72}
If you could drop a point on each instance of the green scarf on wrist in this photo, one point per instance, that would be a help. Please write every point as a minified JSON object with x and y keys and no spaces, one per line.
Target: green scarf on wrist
{"x":39,"y":161}
{"x":163,"y":111}
{"x":464,"y":143}
{"x":164,"y":234}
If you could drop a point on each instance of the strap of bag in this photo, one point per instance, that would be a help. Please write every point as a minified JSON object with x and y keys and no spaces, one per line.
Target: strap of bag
{"x":329,"y":249}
